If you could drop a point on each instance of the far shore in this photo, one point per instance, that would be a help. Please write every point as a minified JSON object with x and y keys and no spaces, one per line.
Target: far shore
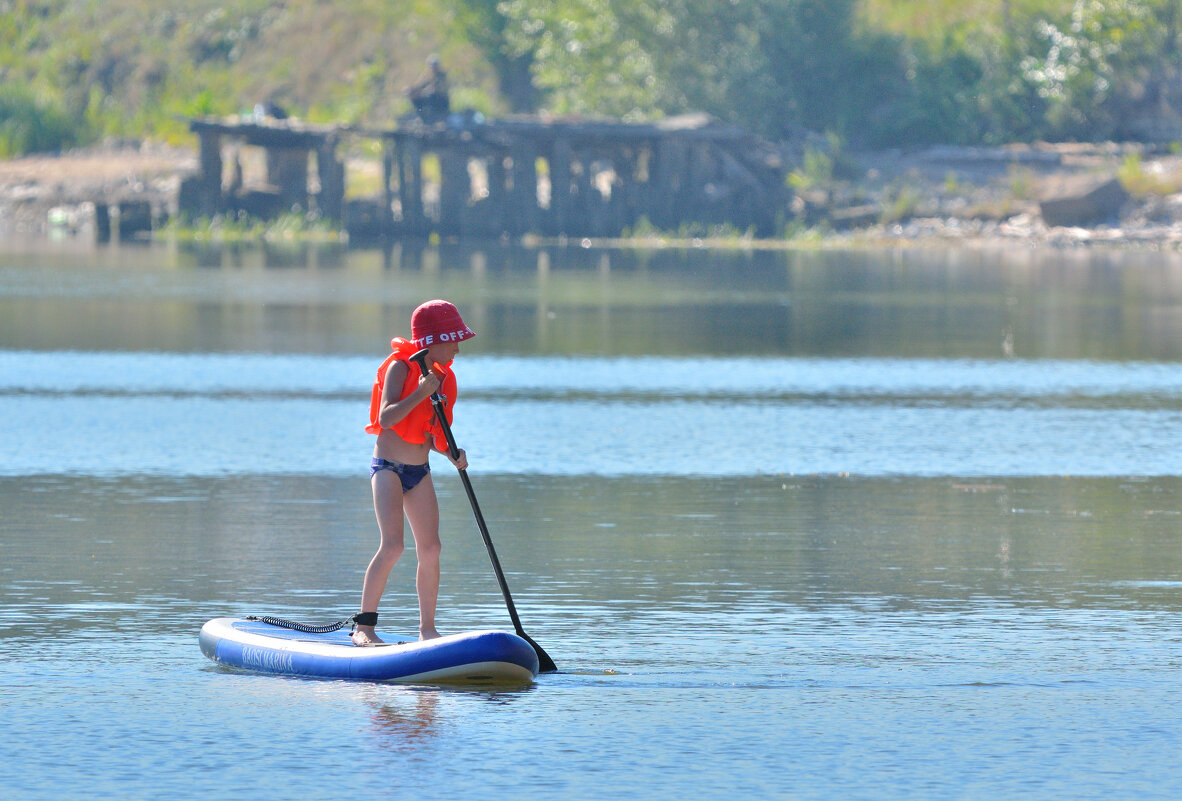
{"x":940,"y":197}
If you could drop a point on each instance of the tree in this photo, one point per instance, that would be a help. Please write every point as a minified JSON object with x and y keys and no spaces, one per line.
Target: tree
{"x":488,"y":29}
{"x":587,"y":56}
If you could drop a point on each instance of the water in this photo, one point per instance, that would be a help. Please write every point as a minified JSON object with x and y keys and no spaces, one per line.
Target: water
{"x":647,"y":415}
{"x":833,"y":525}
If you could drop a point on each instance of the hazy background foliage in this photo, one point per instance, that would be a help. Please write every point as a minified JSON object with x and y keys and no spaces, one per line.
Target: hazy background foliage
{"x":872,"y":72}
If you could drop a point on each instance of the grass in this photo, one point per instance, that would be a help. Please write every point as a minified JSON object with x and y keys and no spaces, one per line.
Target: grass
{"x":220,"y":228}
{"x":1022,"y":182}
{"x":1142,"y":182}
{"x":903,"y":203}
{"x":343,"y":61}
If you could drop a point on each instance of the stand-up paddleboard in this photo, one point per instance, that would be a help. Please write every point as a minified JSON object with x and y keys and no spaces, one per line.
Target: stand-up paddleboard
{"x":473,"y":657}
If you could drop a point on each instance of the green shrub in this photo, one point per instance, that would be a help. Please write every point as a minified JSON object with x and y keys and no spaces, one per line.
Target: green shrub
{"x":1141,"y":182}
{"x":31,"y":125}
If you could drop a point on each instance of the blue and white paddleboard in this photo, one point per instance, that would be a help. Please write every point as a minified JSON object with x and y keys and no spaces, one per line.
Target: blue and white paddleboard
{"x":473,"y":657}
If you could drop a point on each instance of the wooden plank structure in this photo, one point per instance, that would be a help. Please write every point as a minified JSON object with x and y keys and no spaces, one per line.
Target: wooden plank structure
{"x":513,"y":176}
{"x":288,"y":145}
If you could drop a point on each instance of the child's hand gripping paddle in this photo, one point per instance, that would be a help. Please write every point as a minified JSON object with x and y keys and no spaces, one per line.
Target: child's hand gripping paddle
{"x":545,"y":663}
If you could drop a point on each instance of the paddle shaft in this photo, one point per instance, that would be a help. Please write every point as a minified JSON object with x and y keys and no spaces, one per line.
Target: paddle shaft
{"x":545,"y":663}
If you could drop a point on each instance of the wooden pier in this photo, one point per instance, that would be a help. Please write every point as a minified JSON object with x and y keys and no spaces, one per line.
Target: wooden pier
{"x":506,"y":177}
{"x":289,"y":147}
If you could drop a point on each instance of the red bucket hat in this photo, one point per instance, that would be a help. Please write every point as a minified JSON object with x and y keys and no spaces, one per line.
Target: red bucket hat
{"x":437,"y":321}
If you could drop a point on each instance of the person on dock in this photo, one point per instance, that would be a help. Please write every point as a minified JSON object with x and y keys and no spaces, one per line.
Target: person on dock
{"x":403,"y":418}
{"x":431,"y":96}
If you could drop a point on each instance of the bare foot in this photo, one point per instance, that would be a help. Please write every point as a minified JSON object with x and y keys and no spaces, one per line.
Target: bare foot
{"x":429,"y":634}
{"x":364,"y":635}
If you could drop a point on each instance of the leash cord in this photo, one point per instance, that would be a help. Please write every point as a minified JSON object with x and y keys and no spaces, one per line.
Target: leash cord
{"x":304,"y":627}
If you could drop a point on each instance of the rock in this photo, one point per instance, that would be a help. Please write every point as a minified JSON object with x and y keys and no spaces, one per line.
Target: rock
{"x":1092,"y":202}
{"x":364,"y":220}
{"x":1016,"y":154}
{"x":855,"y":216}
{"x":135,"y":220}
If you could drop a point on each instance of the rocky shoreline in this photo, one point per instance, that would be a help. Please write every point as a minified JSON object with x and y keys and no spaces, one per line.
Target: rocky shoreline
{"x":1059,"y":196}
{"x":55,"y":194}
{"x":936,"y":196}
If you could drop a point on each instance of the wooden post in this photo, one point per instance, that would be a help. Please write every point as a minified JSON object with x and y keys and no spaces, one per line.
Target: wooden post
{"x":454,"y":190}
{"x":287,"y":170}
{"x":669,"y":175}
{"x":410,"y":186}
{"x":102,"y":222}
{"x":523,"y":211}
{"x":560,"y":186}
{"x":331,"y":172}
{"x":642,"y":198}
{"x":210,"y":194}
{"x":386,"y":216}
{"x":583,"y":206}
{"x":393,"y":151}
{"x":498,"y":195}
{"x":699,"y":169}
{"x":617,"y":206}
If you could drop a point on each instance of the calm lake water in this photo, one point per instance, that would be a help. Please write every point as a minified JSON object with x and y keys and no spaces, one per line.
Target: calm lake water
{"x":838,"y":525}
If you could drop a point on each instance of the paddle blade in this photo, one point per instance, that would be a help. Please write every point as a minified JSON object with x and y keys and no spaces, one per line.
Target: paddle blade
{"x":545,"y":663}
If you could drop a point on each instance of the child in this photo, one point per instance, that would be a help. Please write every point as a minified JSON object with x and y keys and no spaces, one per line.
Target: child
{"x":401,"y":414}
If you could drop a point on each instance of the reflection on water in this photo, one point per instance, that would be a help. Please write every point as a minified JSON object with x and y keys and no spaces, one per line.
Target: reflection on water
{"x":769,"y":622}
{"x":416,"y":722}
{"x":406,"y":721}
{"x":910,"y":303}
{"x":95,"y":548}
{"x":819,"y":525}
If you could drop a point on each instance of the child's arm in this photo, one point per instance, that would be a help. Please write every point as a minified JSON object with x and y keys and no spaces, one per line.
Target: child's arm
{"x":461,"y":462}
{"x":394,"y":408}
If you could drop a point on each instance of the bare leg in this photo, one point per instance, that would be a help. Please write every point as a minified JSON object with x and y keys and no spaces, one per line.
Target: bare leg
{"x":387,"y":504}
{"x":422,"y":510}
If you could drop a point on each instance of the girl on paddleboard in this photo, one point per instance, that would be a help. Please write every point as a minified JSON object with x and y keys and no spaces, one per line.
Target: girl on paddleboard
{"x":401,"y":415}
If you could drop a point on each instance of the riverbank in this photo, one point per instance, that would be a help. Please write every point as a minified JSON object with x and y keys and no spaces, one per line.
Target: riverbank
{"x":44,"y":194}
{"x":941,"y":195}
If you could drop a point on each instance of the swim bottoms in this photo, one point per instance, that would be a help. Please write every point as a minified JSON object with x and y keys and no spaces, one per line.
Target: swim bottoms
{"x":409,"y":474}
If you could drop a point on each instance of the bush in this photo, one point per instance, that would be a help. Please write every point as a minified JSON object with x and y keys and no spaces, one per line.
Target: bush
{"x":29,"y":125}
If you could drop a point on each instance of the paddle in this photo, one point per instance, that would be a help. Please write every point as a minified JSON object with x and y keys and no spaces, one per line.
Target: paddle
{"x":545,"y":663}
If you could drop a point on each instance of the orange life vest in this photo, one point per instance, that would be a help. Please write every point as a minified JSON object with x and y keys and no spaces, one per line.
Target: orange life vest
{"x":420,"y":422}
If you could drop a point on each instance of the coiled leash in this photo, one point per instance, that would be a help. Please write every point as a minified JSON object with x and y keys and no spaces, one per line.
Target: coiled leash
{"x":359,"y":619}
